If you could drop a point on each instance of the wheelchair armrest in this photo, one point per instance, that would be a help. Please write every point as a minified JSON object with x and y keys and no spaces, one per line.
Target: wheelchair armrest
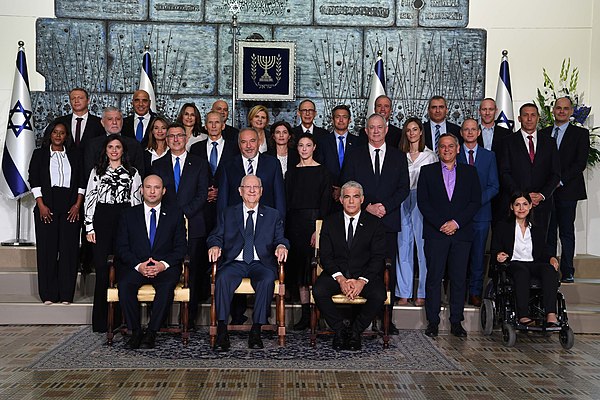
{"x":112,"y":274}
{"x":186,"y":271}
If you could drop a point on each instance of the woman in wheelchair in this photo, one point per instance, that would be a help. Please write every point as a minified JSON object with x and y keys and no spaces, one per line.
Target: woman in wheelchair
{"x":523,"y":247}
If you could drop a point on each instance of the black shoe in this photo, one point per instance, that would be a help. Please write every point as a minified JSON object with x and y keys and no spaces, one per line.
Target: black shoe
{"x":475,"y":300}
{"x":339,"y":340}
{"x":148,"y":340}
{"x":457,"y":330}
{"x":354,"y":342}
{"x":254,"y":340}
{"x":222,"y":343}
{"x":304,"y":319}
{"x":239,"y":320}
{"x":432,"y":330}
{"x":134,"y":341}
{"x":568,"y":279}
{"x":392,"y":329}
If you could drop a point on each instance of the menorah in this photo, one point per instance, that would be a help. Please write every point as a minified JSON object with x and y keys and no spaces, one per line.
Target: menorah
{"x":266,"y":62}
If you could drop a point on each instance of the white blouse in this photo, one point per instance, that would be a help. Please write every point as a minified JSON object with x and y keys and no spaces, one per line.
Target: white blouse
{"x":523,"y":247}
{"x":414,"y":167}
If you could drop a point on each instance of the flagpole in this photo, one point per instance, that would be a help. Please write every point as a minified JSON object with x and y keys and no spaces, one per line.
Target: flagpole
{"x":18,"y":241}
{"x":234,"y":25}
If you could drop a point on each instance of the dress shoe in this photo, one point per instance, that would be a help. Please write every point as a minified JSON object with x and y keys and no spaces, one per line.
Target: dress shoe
{"x":432,"y":330}
{"x":567,"y":279}
{"x":475,"y":300}
{"x":354,"y":342}
{"x":254,"y":340}
{"x":419,"y":302}
{"x":222,"y":343}
{"x":339,"y":340}
{"x":457,"y":330}
{"x":392,"y":329}
{"x":134,"y":341}
{"x":148,"y":340}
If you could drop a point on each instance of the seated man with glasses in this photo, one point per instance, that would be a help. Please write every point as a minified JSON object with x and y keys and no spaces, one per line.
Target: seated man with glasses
{"x":307,"y":111}
{"x":249,"y":242}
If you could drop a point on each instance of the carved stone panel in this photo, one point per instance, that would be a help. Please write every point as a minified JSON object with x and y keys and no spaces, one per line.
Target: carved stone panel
{"x":444,"y":13}
{"x":177,"y":10}
{"x":274,"y":12}
{"x":124,"y":10}
{"x":407,"y":13}
{"x":355,"y":12}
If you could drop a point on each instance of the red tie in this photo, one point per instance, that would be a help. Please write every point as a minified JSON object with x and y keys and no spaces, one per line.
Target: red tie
{"x":471,"y":159}
{"x":531,"y":148}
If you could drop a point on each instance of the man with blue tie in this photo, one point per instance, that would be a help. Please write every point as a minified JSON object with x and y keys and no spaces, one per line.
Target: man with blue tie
{"x":437,"y":110}
{"x":136,"y":125}
{"x":485,"y":162}
{"x":249,"y":242}
{"x":154,"y":258}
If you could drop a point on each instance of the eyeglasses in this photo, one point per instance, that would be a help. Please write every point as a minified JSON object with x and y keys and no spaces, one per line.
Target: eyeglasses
{"x":179,"y":137}
{"x":251,"y":187}
{"x":307,"y":110}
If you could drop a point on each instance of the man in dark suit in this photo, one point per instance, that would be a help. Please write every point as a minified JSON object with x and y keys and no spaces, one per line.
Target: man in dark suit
{"x":383,"y":107}
{"x":81,"y":125}
{"x":112,"y":122}
{"x":485,"y":162}
{"x":185,"y":178}
{"x":307,"y":111}
{"x":249,"y":240}
{"x":491,"y":134}
{"x":136,"y":126}
{"x":437,"y":110}
{"x":352,"y":244}
{"x":449,"y":196}
{"x":229,"y":132}
{"x":382,"y":170}
{"x":573,"y":148}
{"x":530,"y":163}
{"x":150,"y":247}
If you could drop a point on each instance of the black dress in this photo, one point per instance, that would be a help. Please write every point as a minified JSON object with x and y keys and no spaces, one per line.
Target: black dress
{"x":308,"y":198}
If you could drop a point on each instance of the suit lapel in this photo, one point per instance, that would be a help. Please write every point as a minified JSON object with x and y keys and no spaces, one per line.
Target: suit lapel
{"x":141,"y":221}
{"x":358,"y":231}
{"x":161,"y":225}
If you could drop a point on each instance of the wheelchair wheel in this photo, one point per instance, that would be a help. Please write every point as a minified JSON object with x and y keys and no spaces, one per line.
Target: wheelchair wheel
{"x":486,"y":317}
{"x":567,"y":338}
{"x":509,"y":335}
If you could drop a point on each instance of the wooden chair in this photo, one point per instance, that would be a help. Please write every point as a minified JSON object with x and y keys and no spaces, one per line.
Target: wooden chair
{"x":246,"y":288}
{"x":342,"y":299}
{"x":146,"y":294}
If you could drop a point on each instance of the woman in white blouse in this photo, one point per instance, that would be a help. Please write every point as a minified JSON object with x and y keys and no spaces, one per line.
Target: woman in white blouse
{"x":282,"y":146}
{"x":189,"y":117}
{"x":113,"y":185}
{"x":157,"y":142}
{"x":523,"y":245}
{"x":412,"y":142}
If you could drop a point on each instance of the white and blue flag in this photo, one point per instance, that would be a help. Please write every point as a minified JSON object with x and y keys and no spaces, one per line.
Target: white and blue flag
{"x":505,"y":116}
{"x":147,"y":81}
{"x":377,"y":84}
{"x":20,"y":137}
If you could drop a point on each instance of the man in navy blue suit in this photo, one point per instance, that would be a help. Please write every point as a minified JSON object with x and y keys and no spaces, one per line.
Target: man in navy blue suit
{"x":185,"y":177}
{"x":449,"y":196}
{"x":485,"y":162}
{"x":249,"y":241}
{"x":136,"y":125}
{"x":150,"y":246}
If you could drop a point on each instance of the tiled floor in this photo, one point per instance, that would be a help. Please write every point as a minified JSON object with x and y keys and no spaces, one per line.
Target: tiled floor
{"x":536,"y":368}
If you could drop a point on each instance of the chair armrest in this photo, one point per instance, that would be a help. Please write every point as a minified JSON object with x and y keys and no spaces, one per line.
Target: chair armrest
{"x":112,"y":275}
{"x":386,"y":273}
{"x":213,"y":274}
{"x":186,"y":271}
{"x":314,"y":264}
{"x":281,"y":272}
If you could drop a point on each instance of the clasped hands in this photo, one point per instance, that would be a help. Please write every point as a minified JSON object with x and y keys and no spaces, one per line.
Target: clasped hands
{"x":281,"y":253}
{"x":449,"y":228}
{"x":377,"y":209}
{"x":351,"y":288}
{"x":151,"y":268}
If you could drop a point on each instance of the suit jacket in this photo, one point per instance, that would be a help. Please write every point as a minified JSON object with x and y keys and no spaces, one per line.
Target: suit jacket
{"x":393,"y":186}
{"x":573,"y":153}
{"x":437,"y":209}
{"x":487,"y":170}
{"x":392,"y":138}
{"x":327,"y":153}
{"x":93,"y":128}
{"x":93,"y":149}
{"x":499,"y":134}
{"x":229,"y":151}
{"x":129,"y":128}
{"x":228,"y":235}
{"x":230,"y":133}
{"x":299,"y":130}
{"x":503,"y":240}
{"x":450,"y":128}
{"x":364,"y":258}
{"x":192,"y":193}
{"x":293,"y":158}
{"x":39,"y":174}
{"x":268,"y":170}
{"x":132,"y":245}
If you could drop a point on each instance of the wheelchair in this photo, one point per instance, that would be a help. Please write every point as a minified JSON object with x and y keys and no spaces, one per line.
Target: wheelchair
{"x":498,"y":309}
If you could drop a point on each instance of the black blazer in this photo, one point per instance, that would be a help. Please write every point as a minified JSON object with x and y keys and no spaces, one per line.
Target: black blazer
{"x":437,"y":209}
{"x":299,"y":130}
{"x":193,"y":190}
{"x":365,"y":257}
{"x":93,"y":128}
{"x":392,"y":138}
{"x":503,"y":240}
{"x":327,"y":154}
{"x":292,"y":160}
{"x":230,"y":133}
{"x":229,"y":151}
{"x":129,"y":131}
{"x":39,"y":174}
{"x":573,"y":153}
{"x":132,"y":245}
{"x":450,"y":128}
{"x":393,"y":186}
{"x":499,"y":134}
{"x":93,"y":149}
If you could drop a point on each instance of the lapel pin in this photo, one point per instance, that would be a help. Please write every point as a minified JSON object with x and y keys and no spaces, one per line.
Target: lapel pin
{"x":360,"y":223}
{"x":261,"y":215}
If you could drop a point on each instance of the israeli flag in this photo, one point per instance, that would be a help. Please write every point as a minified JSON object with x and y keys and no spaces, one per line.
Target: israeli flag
{"x":20,"y":137}
{"x":505,"y":116}
{"x":377,"y":84}
{"x":147,"y":81}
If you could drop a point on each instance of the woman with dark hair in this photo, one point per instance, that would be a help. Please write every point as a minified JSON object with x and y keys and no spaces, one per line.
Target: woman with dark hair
{"x":113,"y":185}
{"x":57,"y":184}
{"x":522,"y":245}
{"x":189,"y":117}
{"x":281,"y":145}
{"x":157,"y":142}
{"x":412,"y":142}
{"x":308,"y":198}
{"x":258,"y":118}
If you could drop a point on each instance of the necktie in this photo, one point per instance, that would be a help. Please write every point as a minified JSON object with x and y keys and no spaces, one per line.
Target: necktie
{"x":377,"y":165}
{"x":250,"y":167}
{"x":341,"y":150}
{"x":471,"y":159}
{"x":78,"y":131}
{"x":307,"y":132}
{"x":555,"y":134}
{"x":139,"y":131}
{"x":437,"y":136}
{"x":177,"y":173}
{"x":213,"y":158}
{"x":152,"y":230}
{"x":531,"y":148}
{"x":249,"y":239}
{"x":350,"y":232}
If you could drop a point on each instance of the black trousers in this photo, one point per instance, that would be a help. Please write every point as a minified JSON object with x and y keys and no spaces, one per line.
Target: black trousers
{"x":522,"y":271}
{"x":562,"y":219}
{"x":57,"y":247}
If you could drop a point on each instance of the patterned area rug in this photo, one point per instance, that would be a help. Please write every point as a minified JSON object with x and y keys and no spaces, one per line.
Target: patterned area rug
{"x":409,"y":351}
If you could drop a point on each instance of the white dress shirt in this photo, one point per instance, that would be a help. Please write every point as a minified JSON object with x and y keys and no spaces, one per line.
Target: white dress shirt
{"x":382,"y":150}
{"x":523,"y":247}
{"x":209,"y":146}
{"x":147,"y":215}
{"x":240,"y":256}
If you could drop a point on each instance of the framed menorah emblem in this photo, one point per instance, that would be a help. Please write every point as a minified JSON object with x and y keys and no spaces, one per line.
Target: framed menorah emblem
{"x":266,"y":71}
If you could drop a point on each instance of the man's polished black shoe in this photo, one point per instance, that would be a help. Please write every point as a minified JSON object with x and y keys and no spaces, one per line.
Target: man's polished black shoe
{"x":432,"y":330}
{"x":393,"y":330}
{"x":222,"y":343}
{"x":254,"y":340}
{"x":148,"y":340}
{"x":339,"y":340}
{"x":457,"y":330}
{"x":134,"y":341}
{"x":568,"y":279}
{"x":354,"y":342}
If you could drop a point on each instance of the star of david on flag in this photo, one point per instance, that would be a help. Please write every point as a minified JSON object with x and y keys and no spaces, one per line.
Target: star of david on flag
{"x":505,"y":116}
